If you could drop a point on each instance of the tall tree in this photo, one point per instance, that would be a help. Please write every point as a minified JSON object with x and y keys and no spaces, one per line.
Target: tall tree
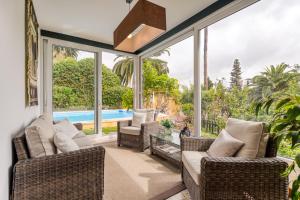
{"x":273,"y":81}
{"x":60,"y":53}
{"x":236,"y":78}
{"x":205,"y":58}
{"x":124,"y":66}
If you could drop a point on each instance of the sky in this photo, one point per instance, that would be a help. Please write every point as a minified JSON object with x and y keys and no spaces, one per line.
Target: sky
{"x":266,"y":33}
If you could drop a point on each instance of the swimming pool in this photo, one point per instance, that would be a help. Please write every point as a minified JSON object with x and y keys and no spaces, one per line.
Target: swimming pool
{"x":88,"y":116}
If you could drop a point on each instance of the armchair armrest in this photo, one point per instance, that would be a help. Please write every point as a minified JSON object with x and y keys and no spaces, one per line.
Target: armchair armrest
{"x":53,"y":177}
{"x":150,"y":127}
{"x":237,"y":177}
{"x":124,"y":123}
{"x":195,"y":143}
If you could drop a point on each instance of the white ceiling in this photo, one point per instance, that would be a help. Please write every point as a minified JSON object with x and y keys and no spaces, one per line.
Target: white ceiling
{"x":97,"y":19}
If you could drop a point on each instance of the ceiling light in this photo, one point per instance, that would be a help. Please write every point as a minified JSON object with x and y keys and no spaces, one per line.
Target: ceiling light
{"x":143,"y":23}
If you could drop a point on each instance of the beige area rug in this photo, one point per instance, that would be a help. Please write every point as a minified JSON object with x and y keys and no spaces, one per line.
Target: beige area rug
{"x":132,"y":175}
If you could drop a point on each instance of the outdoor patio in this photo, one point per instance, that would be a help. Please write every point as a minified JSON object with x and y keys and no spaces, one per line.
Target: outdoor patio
{"x":150,"y":99}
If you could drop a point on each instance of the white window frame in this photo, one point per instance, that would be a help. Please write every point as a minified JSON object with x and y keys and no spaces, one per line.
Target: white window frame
{"x":195,"y":31}
{"x":47,"y":64}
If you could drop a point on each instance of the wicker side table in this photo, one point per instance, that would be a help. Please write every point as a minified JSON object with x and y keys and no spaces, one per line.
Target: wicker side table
{"x":167,"y":147}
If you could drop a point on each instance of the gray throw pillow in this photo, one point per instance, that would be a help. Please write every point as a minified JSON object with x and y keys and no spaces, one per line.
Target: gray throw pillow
{"x":224,"y":145}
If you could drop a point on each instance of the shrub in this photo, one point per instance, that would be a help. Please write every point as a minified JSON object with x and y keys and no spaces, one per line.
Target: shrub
{"x":127,"y":98}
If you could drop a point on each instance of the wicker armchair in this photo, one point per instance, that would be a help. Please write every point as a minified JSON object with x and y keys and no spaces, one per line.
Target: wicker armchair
{"x":74,"y":175}
{"x":236,"y":178}
{"x":140,"y":138}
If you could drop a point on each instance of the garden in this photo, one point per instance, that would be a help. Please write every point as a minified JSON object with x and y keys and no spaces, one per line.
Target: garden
{"x":244,"y":99}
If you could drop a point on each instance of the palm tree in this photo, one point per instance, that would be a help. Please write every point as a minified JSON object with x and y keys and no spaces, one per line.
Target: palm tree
{"x":273,"y":80}
{"x":124,"y":67}
{"x":60,"y":52}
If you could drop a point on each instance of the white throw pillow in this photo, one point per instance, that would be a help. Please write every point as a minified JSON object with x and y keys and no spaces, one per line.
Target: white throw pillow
{"x":138,"y":119}
{"x":66,"y":127}
{"x":64,"y":143}
{"x":45,"y":130}
{"x":224,"y":145}
{"x":150,"y":114}
{"x":247,"y":131}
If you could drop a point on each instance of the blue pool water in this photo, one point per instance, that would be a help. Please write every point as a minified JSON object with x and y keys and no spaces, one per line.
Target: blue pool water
{"x":88,"y":116}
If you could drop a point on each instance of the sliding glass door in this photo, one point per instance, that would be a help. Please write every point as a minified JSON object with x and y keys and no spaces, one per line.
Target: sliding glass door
{"x":74,"y":86}
{"x":168,"y":83}
{"x":85,"y":85}
{"x":117,"y":92}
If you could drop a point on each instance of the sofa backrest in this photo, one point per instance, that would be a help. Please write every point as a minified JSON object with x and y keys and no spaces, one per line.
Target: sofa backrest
{"x":21,"y":147}
{"x":271,"y":150}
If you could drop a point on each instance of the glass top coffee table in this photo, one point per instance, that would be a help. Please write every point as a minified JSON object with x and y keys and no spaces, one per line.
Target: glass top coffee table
{"x":166,"y":146}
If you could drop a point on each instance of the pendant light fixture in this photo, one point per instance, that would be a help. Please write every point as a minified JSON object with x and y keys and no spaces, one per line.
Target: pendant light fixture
{"x":144,"y":22}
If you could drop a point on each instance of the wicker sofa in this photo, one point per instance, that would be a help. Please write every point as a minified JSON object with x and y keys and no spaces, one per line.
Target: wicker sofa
{"x":139,"y":139}
{"x":73,"y":175}
{"x":236,"y":178}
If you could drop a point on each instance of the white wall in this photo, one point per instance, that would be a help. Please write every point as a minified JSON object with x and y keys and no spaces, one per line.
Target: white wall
{"x":14,"y":115}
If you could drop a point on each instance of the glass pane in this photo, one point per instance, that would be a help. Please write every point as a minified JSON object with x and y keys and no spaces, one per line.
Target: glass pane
{"x":252,"y":56}
{"x":117,"y":92}
{"x":74,"y":87}
{"x":168,"y":84}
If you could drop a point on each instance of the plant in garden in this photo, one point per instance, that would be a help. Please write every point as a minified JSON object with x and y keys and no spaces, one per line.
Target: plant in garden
{"x":168,"y":124}
{"x":63,"y":97}
{"x":274,"y":80}
{"x":286,"y":125}
{"x":79,"y":78}
{"x":124,"y":66}
{"x":156,"y":85}
{"x":127,"y":98}
{"x":188,"y":111}
{"x":74,"y":85}
{"x":60,"y":53}
{"x":235,"y":75}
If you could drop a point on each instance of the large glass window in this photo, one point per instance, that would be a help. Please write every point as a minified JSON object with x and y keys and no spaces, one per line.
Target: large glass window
{"x":117,"y":92}
{"x":74,"y":81}
{"x":168,"y":78}
{"x":246,"y":58}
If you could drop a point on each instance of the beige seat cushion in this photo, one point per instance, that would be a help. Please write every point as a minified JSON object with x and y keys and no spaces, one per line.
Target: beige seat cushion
{"x":84,"y":142}
{"x":44,"y":134}
{"x":224,"y":145}
{"x":150,"y":114}
{"x":130,"y":130}
{"x":79,"y":134}
{"x":64,"y":143}
{"x":192,"y":162}
{"x":247,"y":131}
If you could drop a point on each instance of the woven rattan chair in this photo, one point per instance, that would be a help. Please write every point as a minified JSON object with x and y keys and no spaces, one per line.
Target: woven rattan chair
{"x":236,"y":178}
{"x":74,"y":175}
{"x":138,"y":138}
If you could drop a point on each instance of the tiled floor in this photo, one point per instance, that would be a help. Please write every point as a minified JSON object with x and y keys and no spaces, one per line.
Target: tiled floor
{"x":184,"y":195}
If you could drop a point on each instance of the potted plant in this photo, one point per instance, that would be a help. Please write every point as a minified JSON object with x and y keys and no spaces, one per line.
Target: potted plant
{"x":168,"y":125}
